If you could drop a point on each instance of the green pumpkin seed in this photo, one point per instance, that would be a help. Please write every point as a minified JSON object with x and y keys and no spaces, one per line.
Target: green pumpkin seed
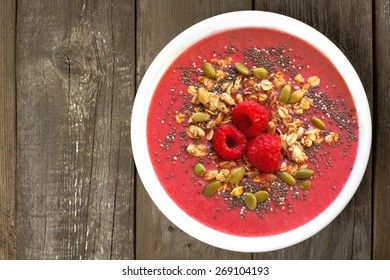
{"x":211,"y":188}
{"x":199,"y":169}
{"x":303,"y":173}
{"x":318,"y":123}
{"x":203,"y":95}
{"x":236,"y":175}
{"x":287,"y":178}
{"x":285,"y":94}
{"x":250,"y":201}
{"x":242,"y":69}
{"x":296,"y":96}
{"x":305,"y":185}
{"x":200,"y":117}
{"x":208,"y":70}
{"x":260,"y":73}
{"x":261,"y":196}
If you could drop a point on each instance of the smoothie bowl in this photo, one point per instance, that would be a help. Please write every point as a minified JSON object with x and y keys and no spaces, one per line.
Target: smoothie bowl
{"x":251,"y":131}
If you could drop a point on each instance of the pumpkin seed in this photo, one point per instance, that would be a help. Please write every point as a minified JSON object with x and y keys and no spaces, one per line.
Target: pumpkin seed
{"x":199,"y":169}
{"x":260,"y":73}
{"x":242,"y":69}
{"x":250,"y":201}
{"x":296,"y":96}
{"x":211,"y":188}
{"x":318,"y":123}
{"x":236,"y":175}
{"x":305,"y":185}
{"x":203,"y":95}
{"x":208,"y":70}
{"x":287,"y":178}
{"x":238,"y":191}
{"x":285,"y":94}
{"x":200,"y":117}
{"x":303,"y":173}
{"x":261,"y":196}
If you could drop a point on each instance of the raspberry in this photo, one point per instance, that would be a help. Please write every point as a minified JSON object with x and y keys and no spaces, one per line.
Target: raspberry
{"x":264,"y":152}
{"x":229,"y":142}
{"x":251,"y":117}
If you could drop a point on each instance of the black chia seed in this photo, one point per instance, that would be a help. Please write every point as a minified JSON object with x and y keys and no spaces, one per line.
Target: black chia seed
{"x":281,"y":195}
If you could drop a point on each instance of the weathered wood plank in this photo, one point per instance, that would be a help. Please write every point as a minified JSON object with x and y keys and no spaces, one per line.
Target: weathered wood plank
{"x":7,"y":130}
{"x":157,"y":23}
{"x":349,"y":25}
{"x":75,"y":83}
{"x":381,"y":244}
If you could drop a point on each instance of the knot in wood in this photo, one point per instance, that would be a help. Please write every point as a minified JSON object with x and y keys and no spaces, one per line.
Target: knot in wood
{"x":77,"y":65}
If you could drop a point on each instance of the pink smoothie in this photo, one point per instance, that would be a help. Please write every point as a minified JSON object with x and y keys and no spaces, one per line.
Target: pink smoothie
{"x":174,"y":167}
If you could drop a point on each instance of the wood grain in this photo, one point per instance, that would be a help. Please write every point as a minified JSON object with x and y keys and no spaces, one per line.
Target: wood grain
{"x":349,"y":25}
{"x":157,"y":23}
{"x":75,"y":83}
{"x":7,"y":130}
{"x":68,"y":75}
{"x":381,"y":244}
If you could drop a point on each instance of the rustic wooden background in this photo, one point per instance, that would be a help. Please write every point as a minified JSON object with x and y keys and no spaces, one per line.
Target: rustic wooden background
{"x":69,"y":71}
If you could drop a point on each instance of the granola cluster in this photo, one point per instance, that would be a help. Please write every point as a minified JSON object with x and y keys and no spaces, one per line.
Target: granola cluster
{"x":220,"y":87}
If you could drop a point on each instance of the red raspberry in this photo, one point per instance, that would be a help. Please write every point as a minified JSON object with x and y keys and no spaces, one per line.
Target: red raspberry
{"x":264,"y":152}
{"x":229,"y":142}
{"x":251,"y":117}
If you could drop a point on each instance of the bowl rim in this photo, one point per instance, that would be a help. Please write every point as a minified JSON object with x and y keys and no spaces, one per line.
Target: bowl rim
{"x":205,"y":28}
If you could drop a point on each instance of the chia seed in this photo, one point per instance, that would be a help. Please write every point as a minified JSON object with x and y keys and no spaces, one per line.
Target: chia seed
{"x":273,"y":59}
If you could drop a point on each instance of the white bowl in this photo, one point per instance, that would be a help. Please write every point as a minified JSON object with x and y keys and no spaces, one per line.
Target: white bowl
{"x":139,"y":122}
